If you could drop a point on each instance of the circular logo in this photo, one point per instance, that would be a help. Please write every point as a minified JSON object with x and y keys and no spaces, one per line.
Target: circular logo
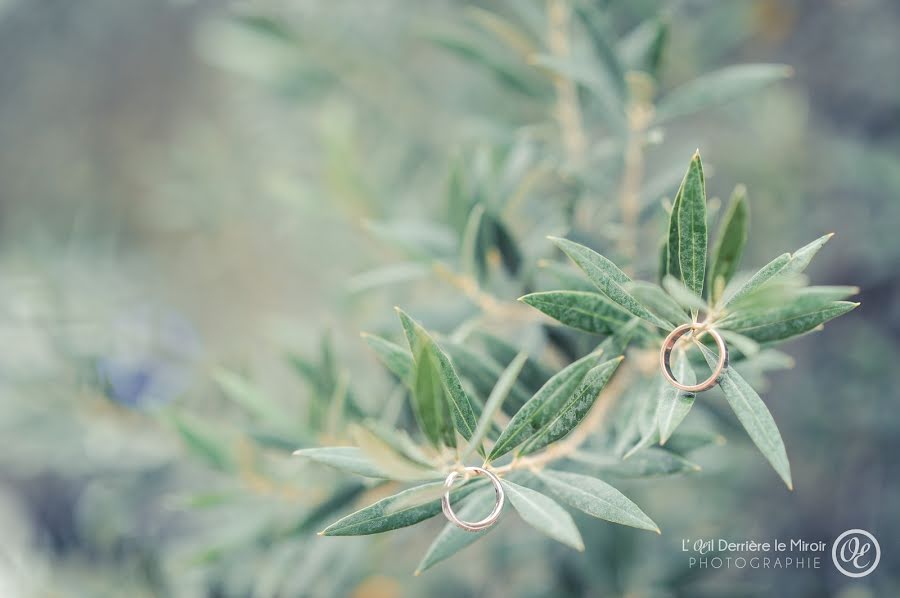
{"x":856,"y":553}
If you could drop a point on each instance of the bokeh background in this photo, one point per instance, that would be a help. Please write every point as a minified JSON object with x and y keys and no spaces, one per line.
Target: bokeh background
{"x":196,"y":197}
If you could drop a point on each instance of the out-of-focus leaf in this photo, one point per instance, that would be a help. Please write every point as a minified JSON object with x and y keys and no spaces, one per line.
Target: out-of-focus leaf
{"x":657,"y":301}
{"x":649,"y":463}
{"x":674,"y":404}
{"x":472,"y":252}
{"x":497,"y":396}
{"x":453,"y":539}
{"x":596,"y":498}
{"x":506,"y":31}
{"x":539,"y":410}
{"x":533,"y":374}
{"x":483,"y":372}
{"x":389,"y":459}
{"x":683,"y":295}
{"x":346,"y":458}
{"x":203,"y":442}
{"x":689,"y":217}
{"x":765,"y":274}
{"x":573,"y":410}
{"x":780,"y":323}
{"x":718,"y":87}
{"x":730,"y":241}
{"x":394,"y":357}
{"x":608,"y":278}
{"x":509,"y":250}
{"x":406,"y":508}
{"x":616,"y":343}
{"x":544,"y":514}
{"x":567,"y":277}
{"x":754,"y":416}
{"x":801,"y":258}
{"x":248,"y":396}
{"x":419,"y":238}
{"x":682,"y":443}
{"x":470,"y":48}
{"x":602,"y":36}
{"x":386,"y":276}
{"x":586,"y":76}
{"x":400,"y":442}
{"x":642,"y":48}
{"x":743,"y":344}
{"x":591,"y":312}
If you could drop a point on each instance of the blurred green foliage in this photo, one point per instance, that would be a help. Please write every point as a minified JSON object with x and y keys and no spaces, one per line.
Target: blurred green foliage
{"x":202,"y":207}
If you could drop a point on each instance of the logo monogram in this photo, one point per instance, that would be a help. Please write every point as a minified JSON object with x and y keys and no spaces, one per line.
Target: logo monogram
{"x":856,"y":553}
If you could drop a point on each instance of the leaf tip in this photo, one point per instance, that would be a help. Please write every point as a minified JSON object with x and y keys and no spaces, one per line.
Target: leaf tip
{"x":417,"y":572}
{"x":297,"y":453}
{"x":696,"y":156}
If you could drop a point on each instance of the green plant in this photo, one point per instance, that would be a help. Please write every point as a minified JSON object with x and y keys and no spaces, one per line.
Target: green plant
{"x":550,"y":427}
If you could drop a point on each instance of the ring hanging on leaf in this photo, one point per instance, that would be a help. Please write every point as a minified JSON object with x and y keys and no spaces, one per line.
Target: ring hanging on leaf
{"x":665,"y":354}
{"x":488,"y":521}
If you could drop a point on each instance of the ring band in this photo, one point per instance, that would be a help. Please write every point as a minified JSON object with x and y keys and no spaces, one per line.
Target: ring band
{"x":487,"y":521}
{"x":665,"y":354}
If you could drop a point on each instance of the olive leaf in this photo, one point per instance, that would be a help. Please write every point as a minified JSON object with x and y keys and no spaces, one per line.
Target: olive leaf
{"x":596,"y":498}
{"x":399,"y":510}
{"x":658,"y":301}
{"x":720,"y":86}
{"x":591,"y":312}
{"x":674,"y":404}
{"x":345,"y":458}
{"x":609,"y":279}
{"x":687,"y":228}
{"x":453,"y":539}
{"x":763,"y":276}
{"x":540,"y":408}
{"x":544,"y":514}
{"x":394,"y":357}
{"x":798,"y":316}
{"x":754,"y":416}
{"x":574,"y":409}
{"x":730,"y":241}
{"x":498,"y":394}
{"x":437,"y":387}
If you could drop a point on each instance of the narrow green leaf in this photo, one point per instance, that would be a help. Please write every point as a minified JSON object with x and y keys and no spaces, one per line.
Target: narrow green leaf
{"x":429,"y":401}
{"x":386,"y":276}
{"x":497,"y":396}
{"x":573,"y":411}
{"x":400,"y":510}
{"x":596,"y":498}
{"x":682,"y":443}
{"x":510,"y":253}
{"x":388,"y":458}
{"x":394,"y":357}
{"x":591,"y":312}
{"x":765,"y":274}
{"x":691,"y":218}
{"x":544,"y":514}
{"x":247,"y":395}
{"x":566,"y":276}
{"x":650,"y":463}
{"x":453,"y":539}
{"x":422,"y":238}
{"x":683,"y":295}
{"x":780,"y":323}
{"x":608,"y":278}
{"x":753,"y":414}
{"x":533,"y":374}
{"x":673,"y":261}
{"x":642,"y":48}
{"x":616,"y":343}
{"x":718,"y":87}
{"x":801,"y":258}
{"x":542,"y":406}
{"x":482,"y":372}
{"x":345,"y":458}
{"x":203,"y":442}
{"x":460,"y":405}
{"x":470,"y":255}
{"x":657,"y":301}
{"x":730,"y":241}
{"x":674,"y":404}
{"x":745,"y":345}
